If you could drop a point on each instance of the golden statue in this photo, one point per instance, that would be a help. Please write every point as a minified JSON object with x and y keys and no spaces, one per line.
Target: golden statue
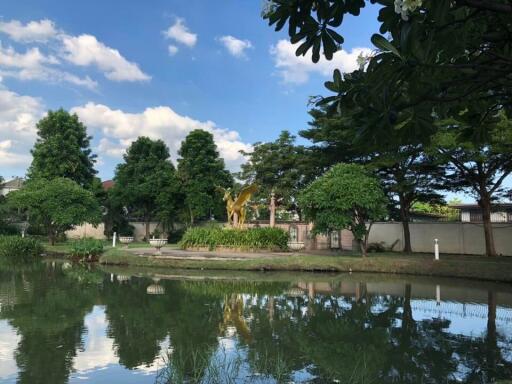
{"x":236,"y":207}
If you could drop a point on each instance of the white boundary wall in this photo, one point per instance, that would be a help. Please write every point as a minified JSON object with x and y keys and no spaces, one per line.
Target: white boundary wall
{"x":459,"y":238}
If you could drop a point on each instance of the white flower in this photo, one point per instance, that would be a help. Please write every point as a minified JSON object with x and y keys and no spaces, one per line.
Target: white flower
{"x":404,"y":7}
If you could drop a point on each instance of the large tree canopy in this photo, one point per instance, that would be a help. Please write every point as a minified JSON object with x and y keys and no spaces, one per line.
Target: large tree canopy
{"x":345,"y":197}
{"x":62,"y":149}
{"x":57,"y":204}
{"x":146,"y":177}
{"x":281,"y":167}
{"x":442,"y":53}
{"x":201,"y":171}
{"x":479,"y":167}
{"x":407,"y":173}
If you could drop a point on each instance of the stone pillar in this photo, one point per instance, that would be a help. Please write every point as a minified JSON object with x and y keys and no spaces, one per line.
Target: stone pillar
{"x":235,"y":219}
{"x":272,"y":210}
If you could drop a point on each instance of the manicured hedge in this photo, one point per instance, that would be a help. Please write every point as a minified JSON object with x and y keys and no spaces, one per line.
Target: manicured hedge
{"x":252,"y":238}
{"x":86,"y":249}
{"x":16,"y":249}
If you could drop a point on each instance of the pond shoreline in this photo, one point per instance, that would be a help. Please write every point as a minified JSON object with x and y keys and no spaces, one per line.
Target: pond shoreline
{"x":497,"y":269}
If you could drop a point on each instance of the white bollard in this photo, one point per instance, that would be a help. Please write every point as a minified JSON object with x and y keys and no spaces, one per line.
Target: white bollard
{"x":438,"y":295}
{"x":436,"y":249}
{"x":114,"y":240}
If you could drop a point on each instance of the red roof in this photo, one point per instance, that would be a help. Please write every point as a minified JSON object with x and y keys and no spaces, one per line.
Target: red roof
{"x":107,"y":184}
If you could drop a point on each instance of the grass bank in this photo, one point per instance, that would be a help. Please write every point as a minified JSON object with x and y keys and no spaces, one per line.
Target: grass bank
{"x":474,"y":267}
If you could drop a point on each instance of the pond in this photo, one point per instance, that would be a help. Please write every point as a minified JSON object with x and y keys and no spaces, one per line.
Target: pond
{"x":65,"y":324}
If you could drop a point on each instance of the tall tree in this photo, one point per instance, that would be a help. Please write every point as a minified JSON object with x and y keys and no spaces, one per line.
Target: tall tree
{"x":280,"y":167}
{"x":345,"y":197}
{"x":407,"y":173}
{"x":58,"y":204}
{"x":62,"y":149}
{"x":146,"y":174}
{"x":480,"y":165}
{"x":201,"y":171}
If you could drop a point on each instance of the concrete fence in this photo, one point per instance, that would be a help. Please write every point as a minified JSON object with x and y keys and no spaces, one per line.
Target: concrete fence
{"x":459,"y":238}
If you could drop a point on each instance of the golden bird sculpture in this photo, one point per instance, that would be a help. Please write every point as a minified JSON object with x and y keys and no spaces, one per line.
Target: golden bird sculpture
{"x":235,"y":208}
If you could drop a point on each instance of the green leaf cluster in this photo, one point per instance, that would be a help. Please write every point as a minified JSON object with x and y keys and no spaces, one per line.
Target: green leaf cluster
{"x":201,"y":171}
{"x":87,"y":249}
{"x":19,"y":250}
{"x":251,"y":238}
{"x":58,"y":205}
{"x":345,"y":197}
{"x":62,"y":149}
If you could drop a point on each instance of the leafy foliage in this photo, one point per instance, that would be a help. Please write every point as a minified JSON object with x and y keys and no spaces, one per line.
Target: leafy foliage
{"x":201,"y":171}
{"x":146,"y":183}
{"x":280,"y":167}
{"x":252,"y":238}
{"x":408,"y":174}
{"x":478,"y":165}
{"x":441,"y":54}
{"x":62,"y":149}
{"x":345,"y":197}
{"x":86,"y":249}
{"x":19,"y":250}
{"x":57,"y":205}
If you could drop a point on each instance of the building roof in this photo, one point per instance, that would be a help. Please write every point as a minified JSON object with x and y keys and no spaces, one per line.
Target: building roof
{"x":476,"y":206}
{"x":107,"y":184}
{"x":15,"y":183}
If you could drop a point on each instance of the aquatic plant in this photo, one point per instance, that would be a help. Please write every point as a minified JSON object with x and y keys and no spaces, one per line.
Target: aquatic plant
{"x":19,"y":250}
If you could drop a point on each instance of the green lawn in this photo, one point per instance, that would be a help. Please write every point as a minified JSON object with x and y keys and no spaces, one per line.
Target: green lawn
{"x":477,"y":267}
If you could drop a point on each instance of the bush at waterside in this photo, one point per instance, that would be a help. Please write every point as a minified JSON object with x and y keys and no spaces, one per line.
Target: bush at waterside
{"x":86,"y":249}
{"x":247,"y":239}
{"x":19,"y":250}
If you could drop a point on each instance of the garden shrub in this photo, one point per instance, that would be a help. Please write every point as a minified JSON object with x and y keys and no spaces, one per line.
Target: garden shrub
{"x":86,"y":249}
{"x":175,"y":235}
{"x":8,"y":229}
{"x":19,"y":250}
{"x":252,"y":238}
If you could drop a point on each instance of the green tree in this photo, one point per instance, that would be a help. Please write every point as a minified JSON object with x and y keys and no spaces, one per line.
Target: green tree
{"x":201,"y":171}
{"x":62,"y":149}
{"x":345,"y":197}
{"x":57,"y":204}
{"x":408,"y":174}
{"x":280,"y":167}
{"x":445,"y":53}
{"x":146,"y":174}
{"x":479,"y":165}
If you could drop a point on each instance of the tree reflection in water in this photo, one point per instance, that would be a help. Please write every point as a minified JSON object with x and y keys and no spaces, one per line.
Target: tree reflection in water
{"x":261,"y":332}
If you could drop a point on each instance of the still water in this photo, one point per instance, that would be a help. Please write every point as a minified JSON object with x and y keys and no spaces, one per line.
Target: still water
{"x":63,"y":324}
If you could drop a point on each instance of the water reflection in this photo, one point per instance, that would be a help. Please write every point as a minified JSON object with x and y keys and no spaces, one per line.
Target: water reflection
{"x":60,"y":325}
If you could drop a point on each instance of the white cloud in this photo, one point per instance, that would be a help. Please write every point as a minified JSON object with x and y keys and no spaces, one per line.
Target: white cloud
{"x":34,"y":31}
{"x":18,"y":118}
{"x":181,"y":34}
{"x":235,"y":47}
{"x":86,"y":50}
{"x":120,"y":128}
{"x":173,"y":50}
{"x":34,"y":65}
{"x":297,"y":69}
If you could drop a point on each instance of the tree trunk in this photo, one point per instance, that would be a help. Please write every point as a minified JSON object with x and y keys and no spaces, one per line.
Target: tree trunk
{"x":485,"y":204}
{"x":362,"y":246}
{"x":404,"y":216}
{"x":191,"y":215}
{"x":148,"y":222}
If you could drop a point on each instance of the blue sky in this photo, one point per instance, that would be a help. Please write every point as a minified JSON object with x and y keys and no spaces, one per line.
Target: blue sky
{"x":158,"y":70}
